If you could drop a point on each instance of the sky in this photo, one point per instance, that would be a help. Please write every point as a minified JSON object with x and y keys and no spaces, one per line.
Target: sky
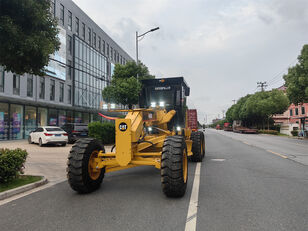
{"x":221,"y":47}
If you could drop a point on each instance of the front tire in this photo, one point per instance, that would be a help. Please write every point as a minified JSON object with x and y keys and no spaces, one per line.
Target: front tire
{"x":81,"y":177}
{"x":30,"y":140}
{"x":174,"y":168}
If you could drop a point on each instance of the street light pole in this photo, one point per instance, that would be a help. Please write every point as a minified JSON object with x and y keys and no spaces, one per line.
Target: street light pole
{"x":137,"y":47}
{"x":138,"y":36}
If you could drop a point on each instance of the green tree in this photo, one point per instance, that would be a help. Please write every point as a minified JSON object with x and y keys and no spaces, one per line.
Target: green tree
{"x":131,"y":69}
{"x":125,"y":87}
{"x":256,"y":109}
{"x":296,"y":80}
{"x":28,"y":35}
{"x":229,"y":114}
{"x":123,"y":91}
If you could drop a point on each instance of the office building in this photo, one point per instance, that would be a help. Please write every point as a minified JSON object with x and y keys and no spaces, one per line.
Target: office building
{"x":71,"y":91}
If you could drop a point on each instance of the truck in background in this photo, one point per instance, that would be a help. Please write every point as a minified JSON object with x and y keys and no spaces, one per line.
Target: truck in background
{"x":227,"y":127}
{"x":192,"y":119}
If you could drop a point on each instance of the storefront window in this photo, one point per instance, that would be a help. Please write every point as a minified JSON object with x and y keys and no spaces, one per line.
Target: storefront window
{"x":16,"y":122}
{"x":30,"y":120}
{"x":42,"y":116}
{"x":52,"y":117}
{"x":4,"y":121}
{"x":62,"y":118}
{"x":78,"y":118}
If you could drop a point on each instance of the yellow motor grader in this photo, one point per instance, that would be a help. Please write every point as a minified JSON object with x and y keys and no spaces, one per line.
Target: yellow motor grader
{"x":156,"y":135}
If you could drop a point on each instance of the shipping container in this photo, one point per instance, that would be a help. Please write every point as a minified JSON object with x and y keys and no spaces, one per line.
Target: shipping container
{"x":192,"y":119}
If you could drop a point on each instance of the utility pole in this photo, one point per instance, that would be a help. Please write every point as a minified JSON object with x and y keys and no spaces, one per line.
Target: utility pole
{"x":263,"y":85}
{"x":234,"y":101}
{"x":223,"y":113}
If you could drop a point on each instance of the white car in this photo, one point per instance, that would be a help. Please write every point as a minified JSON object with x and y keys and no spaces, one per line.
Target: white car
{"x":48,"y":135}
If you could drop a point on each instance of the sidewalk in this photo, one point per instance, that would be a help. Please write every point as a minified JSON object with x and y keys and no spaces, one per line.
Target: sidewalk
{"x":49,"y":161}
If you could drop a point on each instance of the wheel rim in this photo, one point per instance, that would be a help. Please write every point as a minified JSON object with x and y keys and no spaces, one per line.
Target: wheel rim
{"x":93,"y":172}
{"x":185,"y":166}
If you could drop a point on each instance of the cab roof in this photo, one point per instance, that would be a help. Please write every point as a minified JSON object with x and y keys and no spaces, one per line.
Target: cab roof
{"x":167,"y":81}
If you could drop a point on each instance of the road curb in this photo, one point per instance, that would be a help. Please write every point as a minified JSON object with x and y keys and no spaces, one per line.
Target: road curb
{"x":22,"y":189}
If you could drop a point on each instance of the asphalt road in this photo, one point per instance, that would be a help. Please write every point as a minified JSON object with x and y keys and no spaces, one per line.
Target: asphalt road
{"x":292,"y":148}
{"x":242,"y":187}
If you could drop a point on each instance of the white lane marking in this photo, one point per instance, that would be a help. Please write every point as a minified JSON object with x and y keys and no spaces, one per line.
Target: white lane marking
{"x":191,"y":220}
{"x":218,"y":160}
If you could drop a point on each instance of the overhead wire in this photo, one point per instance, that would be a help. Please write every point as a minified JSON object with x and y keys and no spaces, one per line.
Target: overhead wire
{"x":278,"y":77}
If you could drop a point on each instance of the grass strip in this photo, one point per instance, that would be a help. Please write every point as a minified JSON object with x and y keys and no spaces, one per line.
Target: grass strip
{"x":19,"y":181}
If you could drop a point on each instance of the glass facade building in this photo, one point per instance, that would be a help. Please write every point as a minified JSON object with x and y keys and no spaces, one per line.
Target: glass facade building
{"x":71,"y":91}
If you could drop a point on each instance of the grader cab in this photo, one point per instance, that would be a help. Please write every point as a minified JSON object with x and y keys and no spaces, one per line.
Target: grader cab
{"x":154,"y":135}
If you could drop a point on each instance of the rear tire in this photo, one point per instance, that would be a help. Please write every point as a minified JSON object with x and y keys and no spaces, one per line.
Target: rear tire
{"x":198,"y":146}
{"x":174,"y":168}
{"x":78,"y":170}
{"x":40,"y":142}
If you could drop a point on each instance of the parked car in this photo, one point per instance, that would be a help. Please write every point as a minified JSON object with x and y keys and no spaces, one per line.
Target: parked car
{"x":75,"y":131}
{"x":48,"y":135}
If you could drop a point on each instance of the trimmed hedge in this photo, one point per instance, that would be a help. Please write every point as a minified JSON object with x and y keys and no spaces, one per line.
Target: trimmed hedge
{"x":271,"y":132}
{"x":103,"y":131}
{"x":294,"y":133}
{"x":11,"y":163}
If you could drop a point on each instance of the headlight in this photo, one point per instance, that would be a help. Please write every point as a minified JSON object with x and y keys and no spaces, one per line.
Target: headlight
{"x":112,"y":106}
{"x":178,"y":128}
{"x":149,"y":129}
{"x":153,"y":104}
{"x":161,"y":104}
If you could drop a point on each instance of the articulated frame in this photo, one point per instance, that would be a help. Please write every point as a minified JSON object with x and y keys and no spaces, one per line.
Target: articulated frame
{"x":135,"y":146}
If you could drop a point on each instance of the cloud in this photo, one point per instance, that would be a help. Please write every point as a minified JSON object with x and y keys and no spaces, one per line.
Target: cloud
{"x":222,"y":48}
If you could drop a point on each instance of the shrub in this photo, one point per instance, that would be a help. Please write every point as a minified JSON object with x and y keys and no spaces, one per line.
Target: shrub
{"x":11,"y":163}
{"x":103,"y":131}
{"x":276,"y":127}
{"x":271,"y":132}
{"x":294,"y":133}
